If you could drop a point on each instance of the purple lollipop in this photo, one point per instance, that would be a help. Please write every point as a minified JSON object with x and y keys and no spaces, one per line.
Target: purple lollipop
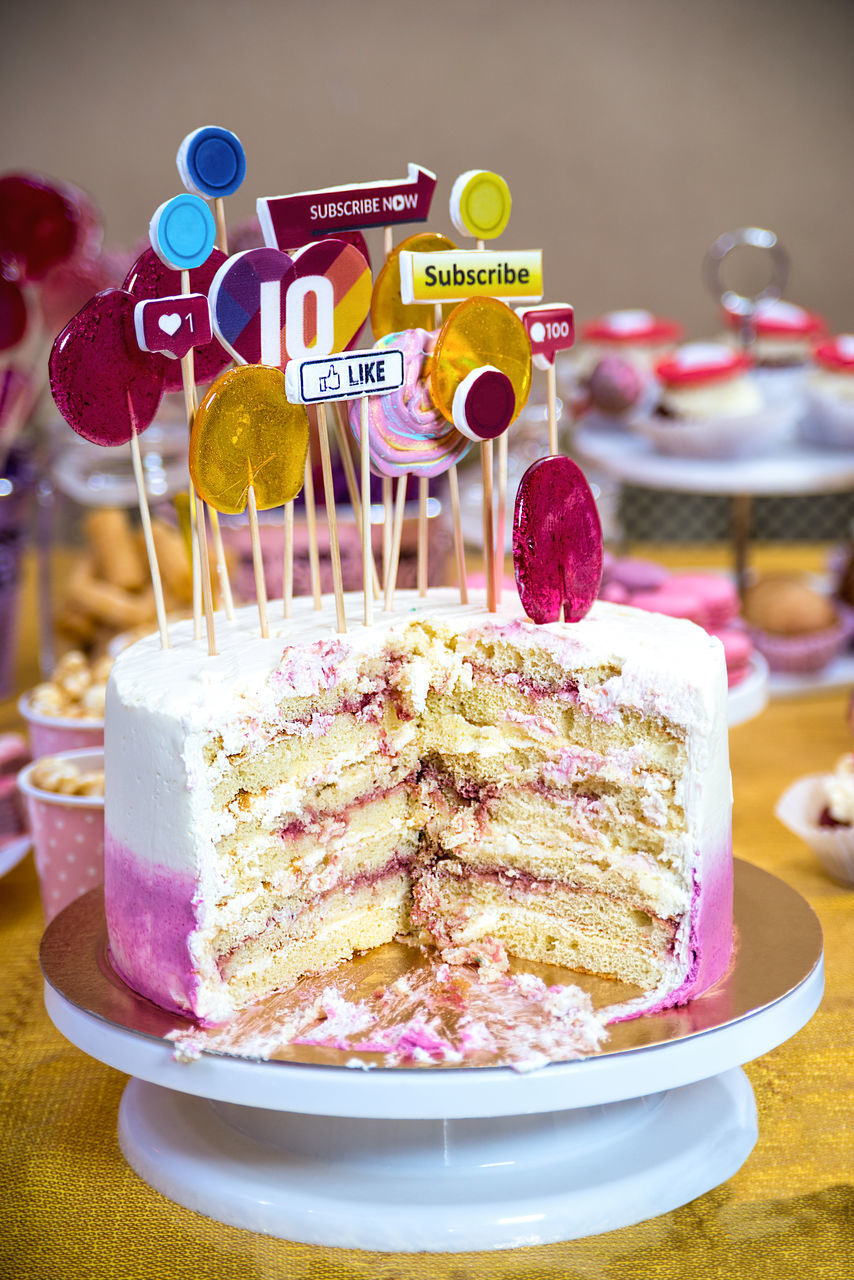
{"x":557,"y":542}
{"x":104,"y":386}
{"x":150,"y":278}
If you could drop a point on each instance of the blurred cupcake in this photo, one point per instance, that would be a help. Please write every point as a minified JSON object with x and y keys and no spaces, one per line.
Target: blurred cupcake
{"x":796,"y":628}
{"x":829,"y":418}
{"x":710,"y":406}
{"x":819,"y":809}
{"x":785,"y":334}
{"x":634,"y":335}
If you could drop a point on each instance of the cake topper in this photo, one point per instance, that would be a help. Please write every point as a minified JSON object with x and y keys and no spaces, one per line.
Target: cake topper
{"x":248,"y":449}
{"x":744,"y":305}
{"x":480,"y":204}
{"x":247,"y":301}
{"x":182,"y":232}
{"x":458,"y":274}
{"x":40,"y":225}
{"x":289,"y":221}
{"x":557,"y":542}
{"x":550,"y":329}
{"x":173,"y":326}
{"x":108,"y":391}
{"x":212,"y":164}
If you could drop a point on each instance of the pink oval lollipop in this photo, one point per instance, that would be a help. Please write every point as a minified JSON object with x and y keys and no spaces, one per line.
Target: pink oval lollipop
{"x":104,"y":386}
{"x":407,"y":433}
{"x":557,"y":541}
{"x":150,"y":278}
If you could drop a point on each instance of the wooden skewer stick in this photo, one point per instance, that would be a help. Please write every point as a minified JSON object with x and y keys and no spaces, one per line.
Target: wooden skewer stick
{"x":397,"y":534}
{"x":552,"y":406}
{"x":311,"y":522}
{"x":257,"y":560}
{"x":288,"y":564}
{"x":367,"y":552}
{"x":488,"y":543}
{"x":343,"y":441}
{"x":196,"y":566}
{"x":500,"y":515}
{"x":423,"y":545}
{"x":221,"y":565}
{"x":197,"y":516}
{"x":459,"y":545}
{"x":388,"y":521}
{"x":151,"y":551}
{"x":332,"y":519}
{"x":388,"y":241}
{"x":219,"y":218}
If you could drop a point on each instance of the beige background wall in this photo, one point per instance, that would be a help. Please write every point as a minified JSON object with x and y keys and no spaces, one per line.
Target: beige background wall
{"x":631,"y":132}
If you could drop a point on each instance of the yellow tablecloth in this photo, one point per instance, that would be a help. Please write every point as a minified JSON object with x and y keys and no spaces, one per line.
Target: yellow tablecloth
{"x":71,"y":1207}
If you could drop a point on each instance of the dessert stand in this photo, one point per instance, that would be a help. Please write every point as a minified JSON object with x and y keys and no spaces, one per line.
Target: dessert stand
{"x":308,"y":1147}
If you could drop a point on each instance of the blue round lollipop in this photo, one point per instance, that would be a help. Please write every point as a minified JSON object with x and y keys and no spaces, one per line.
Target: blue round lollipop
{"x":212,"y":162}
{"x":183,"y":232}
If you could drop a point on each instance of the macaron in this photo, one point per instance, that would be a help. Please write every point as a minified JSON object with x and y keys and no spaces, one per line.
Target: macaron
{"x":638,"y":575}
{"x":738,"y":648}
{"x":672,"y":603}
{"x":717,"y":593}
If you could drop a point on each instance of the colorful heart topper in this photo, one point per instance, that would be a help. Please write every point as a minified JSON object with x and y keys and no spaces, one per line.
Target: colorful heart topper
{"x":246,"y":432}
{"x":550,"y":329}
{"x":13,"y":314}
{"x":40,"y":226}
{"x":150,"y":278}
{"x":328,"y":301}
{"x":484,"y":404}
{"x":478,"y":332}
{"x":557,"y":542}
{"x":388,"y":312}
{"x":247,"y":297}
{"x":480,"y":204}
{"x":104,"y":386}
{"x":183,"y":232}
{"x":173,"y":326}
{"x":211,"y":162}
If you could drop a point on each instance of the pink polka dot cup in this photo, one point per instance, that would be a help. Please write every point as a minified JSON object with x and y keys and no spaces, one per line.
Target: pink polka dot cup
{"x":68,"y":835}
{"x":50,"y":735}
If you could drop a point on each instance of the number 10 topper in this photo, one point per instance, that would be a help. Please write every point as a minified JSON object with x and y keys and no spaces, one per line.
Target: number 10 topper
{"x":328,"y":299}
{"x":550,"y":329}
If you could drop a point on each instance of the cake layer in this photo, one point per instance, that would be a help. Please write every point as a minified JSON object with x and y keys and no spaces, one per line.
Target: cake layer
{"x":553,"y":922}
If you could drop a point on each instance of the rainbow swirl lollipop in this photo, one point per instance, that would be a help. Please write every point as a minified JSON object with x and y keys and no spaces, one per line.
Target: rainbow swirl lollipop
{"x":408,"y":435}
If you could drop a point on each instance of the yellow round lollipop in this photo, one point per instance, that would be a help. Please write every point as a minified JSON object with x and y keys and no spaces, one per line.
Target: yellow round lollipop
{"x":478,"y":332}
{"x":388,"y":313}
{"x":246,"y":432}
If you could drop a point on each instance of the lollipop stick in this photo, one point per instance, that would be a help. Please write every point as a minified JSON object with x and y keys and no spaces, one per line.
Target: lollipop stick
{"x":501,"y":515}
{"x":145,"y":516}
{"x":196,"y":566}
{"x":388,"y":241}
{"x":221,"y":564}
{"x":488,"y":544}
{"x":188,"y":376}
{"x":257,"y":560}
{"x":343,"y":442}
{"x":329,"y":496}
{"x":311,"y":522}
{"x":367,"y":554}
{"x":552,"y":404}
{"x":388,"y":521}
{"x":423,"y":567}
{"x":459,"y":545}
{"x":219,"y":217}
{"x":288,"y":566}
{"x":397,"y":533}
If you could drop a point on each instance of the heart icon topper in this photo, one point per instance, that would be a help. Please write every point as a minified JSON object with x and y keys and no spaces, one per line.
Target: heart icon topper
{"x":173,"y":326}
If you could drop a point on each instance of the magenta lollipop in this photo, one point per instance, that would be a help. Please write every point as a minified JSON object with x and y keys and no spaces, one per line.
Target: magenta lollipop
{"x":39,"y":225}
{"x":557,"y":541}
{"x":151,"y":278}
{"x":104,"y":386}
{"x":13,"y":314}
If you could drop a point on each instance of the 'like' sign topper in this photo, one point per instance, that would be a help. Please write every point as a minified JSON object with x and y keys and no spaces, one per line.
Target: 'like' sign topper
{"x":550,"y":329}
{"x":344,"y":377}
{"x":173,"y":325}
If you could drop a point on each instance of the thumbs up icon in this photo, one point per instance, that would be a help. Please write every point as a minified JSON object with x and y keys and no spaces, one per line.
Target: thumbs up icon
{"x":331,"y":381}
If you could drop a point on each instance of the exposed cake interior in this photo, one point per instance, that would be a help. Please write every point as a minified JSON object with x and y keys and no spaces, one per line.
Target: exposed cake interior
{"x":460,"y":778}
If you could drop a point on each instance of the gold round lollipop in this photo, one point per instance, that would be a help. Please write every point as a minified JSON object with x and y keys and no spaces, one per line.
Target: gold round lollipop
{"x":480,"y":331}
{"x":246,"y":432}
{"x":388,"y":313}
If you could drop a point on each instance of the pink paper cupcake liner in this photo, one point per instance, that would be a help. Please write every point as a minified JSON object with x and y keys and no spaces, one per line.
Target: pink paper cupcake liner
{"x":50,"y":735}
{"x":799,"y":809}
{"x":800,"y":655}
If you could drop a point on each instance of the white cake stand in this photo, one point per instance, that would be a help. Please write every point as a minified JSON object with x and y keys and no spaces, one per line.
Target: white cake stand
{"x":439,"y":1160}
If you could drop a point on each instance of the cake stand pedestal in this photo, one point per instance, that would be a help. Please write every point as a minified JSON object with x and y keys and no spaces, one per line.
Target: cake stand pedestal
{"x":451,"y":1159}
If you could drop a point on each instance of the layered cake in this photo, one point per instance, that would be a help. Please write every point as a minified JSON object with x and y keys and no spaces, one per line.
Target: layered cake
{"x":465,"y":780}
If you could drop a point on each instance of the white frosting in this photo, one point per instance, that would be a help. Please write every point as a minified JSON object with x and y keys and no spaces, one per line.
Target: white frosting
{"x":839,"y":789}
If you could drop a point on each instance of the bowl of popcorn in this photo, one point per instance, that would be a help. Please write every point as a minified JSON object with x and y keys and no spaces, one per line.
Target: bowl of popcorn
{"x":64,"y":795}
{"x":819,"y":809}
{"x":66,"y":712}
